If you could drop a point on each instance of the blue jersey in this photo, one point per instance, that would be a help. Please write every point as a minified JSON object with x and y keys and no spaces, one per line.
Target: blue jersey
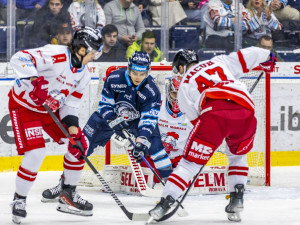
{"x":140,"y":104}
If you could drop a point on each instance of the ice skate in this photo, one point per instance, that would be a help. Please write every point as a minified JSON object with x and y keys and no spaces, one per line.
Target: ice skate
{"x":18,"y":208}
{"x":161,"y":208}
{"x":235,"y":205}
{"x":71,"y":202}
{"x":52,"y":194}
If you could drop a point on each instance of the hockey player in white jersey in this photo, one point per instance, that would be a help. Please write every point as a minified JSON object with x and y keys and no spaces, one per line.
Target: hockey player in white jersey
{"x":55,"y":75}
{"x":173,"y":124}
{"x":220,"y":107}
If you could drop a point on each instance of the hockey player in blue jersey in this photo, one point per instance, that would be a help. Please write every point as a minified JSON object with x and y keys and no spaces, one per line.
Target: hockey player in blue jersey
{"x":132,"y":94}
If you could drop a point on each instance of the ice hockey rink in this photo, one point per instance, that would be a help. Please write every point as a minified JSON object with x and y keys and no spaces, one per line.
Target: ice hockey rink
{"x":275,"y":205}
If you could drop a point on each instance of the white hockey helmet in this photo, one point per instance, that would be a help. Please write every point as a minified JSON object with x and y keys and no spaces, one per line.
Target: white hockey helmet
{"x":172,"y":88}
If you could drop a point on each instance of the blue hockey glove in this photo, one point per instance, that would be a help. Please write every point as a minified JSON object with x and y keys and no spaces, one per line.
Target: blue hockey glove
{"x":141,"y":147}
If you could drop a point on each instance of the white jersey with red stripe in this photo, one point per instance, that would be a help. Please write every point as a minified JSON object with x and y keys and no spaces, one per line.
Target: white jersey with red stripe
{"x":218,"y":79}
{"x":53,"y":62}
{"x":174,"y":130}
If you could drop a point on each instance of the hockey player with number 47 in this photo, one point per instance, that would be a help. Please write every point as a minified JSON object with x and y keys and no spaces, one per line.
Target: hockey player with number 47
{"x":220,"y":107}
{"x":57,"y":76}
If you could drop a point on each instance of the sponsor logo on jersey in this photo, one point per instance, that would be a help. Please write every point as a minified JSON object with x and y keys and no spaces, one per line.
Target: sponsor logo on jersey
{"x":16,"y":123}
{"x":89,"y":131}
{"x":24,"y":59}
{"x":28,"y":65}
{"x":141,"y":95}
{"x":118,"y":85}
{"x":147,"y":129}
{"x":18,"y":83}
{"x":129,"y":97}
{"x":59,"y":58}
{"x":153,"y":112}
{"x":150,"y":89}
{"x":113,"y":76}
{"x":200,"y":151}
{"x":33,"y":133}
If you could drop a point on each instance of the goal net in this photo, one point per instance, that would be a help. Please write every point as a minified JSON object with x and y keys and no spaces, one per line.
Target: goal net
{"x":258,"y":159}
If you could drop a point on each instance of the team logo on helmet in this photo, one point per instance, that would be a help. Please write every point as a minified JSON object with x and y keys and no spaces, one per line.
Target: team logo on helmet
{"x":139,"y":61}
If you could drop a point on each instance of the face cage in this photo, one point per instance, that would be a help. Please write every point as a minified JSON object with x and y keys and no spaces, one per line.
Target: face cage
{"x":172,"y":101}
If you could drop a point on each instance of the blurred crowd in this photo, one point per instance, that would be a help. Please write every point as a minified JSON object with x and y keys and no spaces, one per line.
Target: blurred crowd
{"x":207,"y":26}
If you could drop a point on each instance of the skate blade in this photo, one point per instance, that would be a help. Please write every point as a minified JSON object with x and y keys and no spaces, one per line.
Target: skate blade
{"x":47,"y":200}
{"x":72,"y":210}
{"x":17,"y":219}
{"x":234,"y":217}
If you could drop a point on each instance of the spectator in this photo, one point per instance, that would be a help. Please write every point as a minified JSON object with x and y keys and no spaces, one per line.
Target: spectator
{"x":63,"y":33}
{"x":3,"y":10}
{"x":263,"y":20}
{"x":127,"y":18}
{"x":266,"y":42}
{"x":147,"y":44}
{"x":192,"y":10}
{"x":78,"y":16}
{"x":145,"y":13}
{"x":26,"y":9}
{"x":283,"y":11}
{"x":176,"y":12}
{"x":112,"y":50}
{"x":219,"y":20}
{"x":44,"y":20}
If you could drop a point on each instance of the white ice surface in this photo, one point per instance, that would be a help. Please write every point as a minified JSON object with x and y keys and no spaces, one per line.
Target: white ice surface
{"x":275,"y":205}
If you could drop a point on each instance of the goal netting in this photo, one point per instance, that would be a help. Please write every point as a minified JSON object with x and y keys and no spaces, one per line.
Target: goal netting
{"x":258,"y":159}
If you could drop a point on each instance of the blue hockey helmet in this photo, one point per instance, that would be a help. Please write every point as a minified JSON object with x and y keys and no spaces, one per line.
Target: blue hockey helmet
{"x":139,"y":61}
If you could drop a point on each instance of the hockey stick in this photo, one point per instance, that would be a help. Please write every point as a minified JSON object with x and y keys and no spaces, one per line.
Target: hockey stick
{"x":181,"y":213}
{"x":256,"y":82}
{"x":130,"y":215}
{"x":144,"y":189}
{"x":167,"y":216}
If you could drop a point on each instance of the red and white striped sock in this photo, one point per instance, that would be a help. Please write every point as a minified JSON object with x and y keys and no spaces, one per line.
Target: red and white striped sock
{"x":72,"y":169}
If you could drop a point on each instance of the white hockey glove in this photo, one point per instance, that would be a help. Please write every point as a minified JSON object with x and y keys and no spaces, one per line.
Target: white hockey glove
{"x":119,"y":141}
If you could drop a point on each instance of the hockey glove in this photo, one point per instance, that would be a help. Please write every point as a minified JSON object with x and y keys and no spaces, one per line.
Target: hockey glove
{"x":40,"y":90}
{"x":121,"y":126}
{"x":55,"y":100}
{"x":81,"y":145}
{"x":269,"y":65}
{"x":52,"y":103}
{"x":141,"y":148}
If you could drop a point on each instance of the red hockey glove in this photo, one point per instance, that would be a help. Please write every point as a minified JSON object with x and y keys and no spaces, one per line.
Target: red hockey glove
{"x":52,"y":103}
{"x":268,"y":66}
{"x":81,"y":145}
{"x":40,"y":90}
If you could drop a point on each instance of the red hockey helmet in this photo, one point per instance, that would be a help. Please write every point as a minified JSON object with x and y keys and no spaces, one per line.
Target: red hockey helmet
{"x":172,"y":88}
